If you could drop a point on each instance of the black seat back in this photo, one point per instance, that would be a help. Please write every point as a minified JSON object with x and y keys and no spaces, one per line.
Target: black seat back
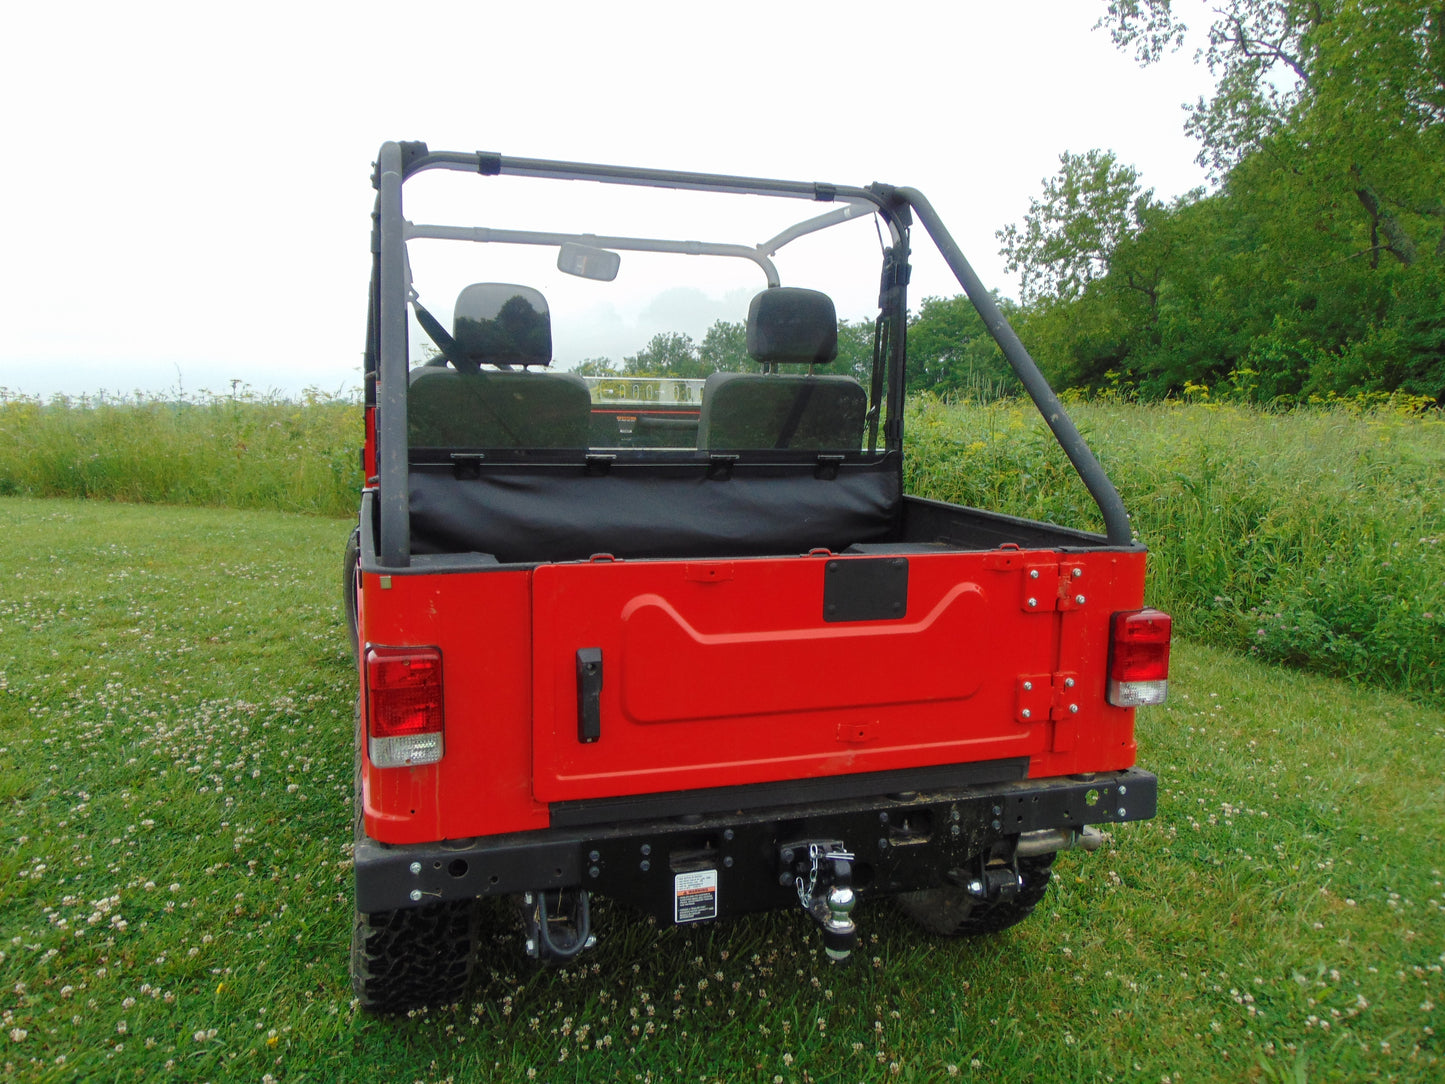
{"x":481,"y":399}
{"x":770,"y":410}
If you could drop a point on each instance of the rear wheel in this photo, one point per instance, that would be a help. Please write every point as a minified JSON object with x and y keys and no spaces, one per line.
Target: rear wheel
{"x":953,"y":912}
{"x":349,"y":562}
{"x":418,"y":956}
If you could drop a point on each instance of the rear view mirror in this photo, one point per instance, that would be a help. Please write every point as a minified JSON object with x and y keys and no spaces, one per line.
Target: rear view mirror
{"x":587,"y":262}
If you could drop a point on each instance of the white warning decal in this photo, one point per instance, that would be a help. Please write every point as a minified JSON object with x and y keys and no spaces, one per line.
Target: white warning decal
{"x":695,"y":896}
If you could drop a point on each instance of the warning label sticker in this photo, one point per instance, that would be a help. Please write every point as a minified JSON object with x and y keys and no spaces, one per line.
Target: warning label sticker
{"x":695,"y":896}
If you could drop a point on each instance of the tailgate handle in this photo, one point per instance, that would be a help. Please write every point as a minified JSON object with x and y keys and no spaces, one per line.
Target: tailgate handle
{"x":589,"y":694}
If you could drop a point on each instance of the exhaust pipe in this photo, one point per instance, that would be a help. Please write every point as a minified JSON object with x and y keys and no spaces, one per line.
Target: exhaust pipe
{"x":1053,"y":840}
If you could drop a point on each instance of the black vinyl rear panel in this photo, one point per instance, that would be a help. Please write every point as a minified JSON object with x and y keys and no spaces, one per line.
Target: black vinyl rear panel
{"x":522,"y":512}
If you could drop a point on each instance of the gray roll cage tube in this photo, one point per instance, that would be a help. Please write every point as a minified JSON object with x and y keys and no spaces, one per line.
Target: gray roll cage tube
{"x":386,"y":347}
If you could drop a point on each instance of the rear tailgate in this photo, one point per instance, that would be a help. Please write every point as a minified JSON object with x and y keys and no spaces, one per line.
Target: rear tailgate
{"x":727,"y":672}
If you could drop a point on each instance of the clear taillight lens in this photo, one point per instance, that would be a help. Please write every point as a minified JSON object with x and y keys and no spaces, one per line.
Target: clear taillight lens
{"x":404,"y":706}
{"x":1139,"y":658}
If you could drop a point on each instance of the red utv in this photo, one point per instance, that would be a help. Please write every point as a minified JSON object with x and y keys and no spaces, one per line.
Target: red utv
{"x":686,"y":643}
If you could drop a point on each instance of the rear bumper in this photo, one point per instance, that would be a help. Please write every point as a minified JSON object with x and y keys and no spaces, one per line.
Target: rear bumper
{"x":902,"y":842}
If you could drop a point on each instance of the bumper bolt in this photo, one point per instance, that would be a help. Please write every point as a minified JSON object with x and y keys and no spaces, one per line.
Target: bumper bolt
{"x":415,"y":868}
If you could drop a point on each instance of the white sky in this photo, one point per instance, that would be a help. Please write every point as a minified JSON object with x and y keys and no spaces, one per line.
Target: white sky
{"x":187,"y":186}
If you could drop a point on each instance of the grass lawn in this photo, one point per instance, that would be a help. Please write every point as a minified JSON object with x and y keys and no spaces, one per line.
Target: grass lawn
{"x":175,"y":787}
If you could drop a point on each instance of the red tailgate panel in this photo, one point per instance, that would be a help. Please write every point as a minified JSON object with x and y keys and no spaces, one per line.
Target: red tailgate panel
{"x":718,"y":673}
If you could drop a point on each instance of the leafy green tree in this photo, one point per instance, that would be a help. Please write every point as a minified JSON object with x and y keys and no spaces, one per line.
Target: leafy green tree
{"x":1319,"y":262}
{"x":725,"y":348}
{"x":1069,"y":236}
{"x":668,"y":353}
{"x":596,"y":367}
{"x":952,"y":355}
{"x":1345,"y":94}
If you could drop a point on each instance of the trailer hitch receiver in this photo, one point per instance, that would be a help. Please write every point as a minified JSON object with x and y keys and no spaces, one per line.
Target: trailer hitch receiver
{"x":826,"y":893}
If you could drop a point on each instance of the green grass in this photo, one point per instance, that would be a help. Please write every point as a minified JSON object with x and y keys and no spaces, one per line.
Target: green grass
{"x":240,"y":451}
{"x":175,"y":773}
{"x":1314,"y":538}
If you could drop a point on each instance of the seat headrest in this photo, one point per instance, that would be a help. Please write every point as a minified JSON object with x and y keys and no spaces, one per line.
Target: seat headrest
{"x":791,"y":325}
{"x":496,"y":323}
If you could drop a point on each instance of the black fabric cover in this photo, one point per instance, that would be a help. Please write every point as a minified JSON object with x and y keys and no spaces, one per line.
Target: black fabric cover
{"x":530,"y":513}
{"x":792,"y":326}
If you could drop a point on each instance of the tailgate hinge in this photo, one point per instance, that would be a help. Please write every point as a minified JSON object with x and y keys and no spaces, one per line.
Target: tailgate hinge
{"x":1046,"y":696}
{"x":1050,"y":587}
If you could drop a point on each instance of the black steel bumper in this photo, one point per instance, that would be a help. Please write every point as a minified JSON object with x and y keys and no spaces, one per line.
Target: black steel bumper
{"x":902,"y":841}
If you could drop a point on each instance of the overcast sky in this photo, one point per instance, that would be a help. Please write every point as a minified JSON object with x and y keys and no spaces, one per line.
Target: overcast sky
{"x":188,"y":195}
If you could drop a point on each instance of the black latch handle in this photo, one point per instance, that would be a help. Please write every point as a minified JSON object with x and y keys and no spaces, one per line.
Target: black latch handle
{"x":589,"y":694}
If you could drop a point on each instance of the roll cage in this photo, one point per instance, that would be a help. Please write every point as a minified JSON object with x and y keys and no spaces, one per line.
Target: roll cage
{"x":386,"y":358}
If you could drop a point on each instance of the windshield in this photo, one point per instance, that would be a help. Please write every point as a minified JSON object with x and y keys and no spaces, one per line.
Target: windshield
{"x":644,"y":322}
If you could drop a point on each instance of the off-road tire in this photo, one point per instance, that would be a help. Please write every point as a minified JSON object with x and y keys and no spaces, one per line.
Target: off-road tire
{"x":410,"y":958}
{"x":951,"y":912}
{"x":349,"y":561}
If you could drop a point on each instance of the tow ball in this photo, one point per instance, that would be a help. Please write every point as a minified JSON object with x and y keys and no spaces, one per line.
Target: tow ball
{"x":826,"y":893}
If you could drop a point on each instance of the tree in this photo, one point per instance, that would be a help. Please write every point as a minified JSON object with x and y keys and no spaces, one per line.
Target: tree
{"x":1346,"y":95}
{"x":855,"y":351}
{"x":596,"y":367}
{"x":668,"y":353}
{"x":725,"y":348}
{"x":1318,"y":264}
{"x":1069,"y":236}
{"x":951,"y":353}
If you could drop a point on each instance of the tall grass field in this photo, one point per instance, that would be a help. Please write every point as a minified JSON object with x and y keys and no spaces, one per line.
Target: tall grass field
{"x":1314,"y":538}
{"x":176,"y":706}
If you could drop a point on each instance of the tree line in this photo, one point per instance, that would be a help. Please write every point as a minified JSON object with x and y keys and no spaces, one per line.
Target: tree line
{"x":1315,"y":263}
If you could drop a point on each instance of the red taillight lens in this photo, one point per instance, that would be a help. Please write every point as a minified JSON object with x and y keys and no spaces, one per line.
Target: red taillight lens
{"x":1139,"y":658}
{"x":404,"y":706}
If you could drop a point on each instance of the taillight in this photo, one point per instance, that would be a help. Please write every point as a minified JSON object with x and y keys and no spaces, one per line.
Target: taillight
{"x":404,"y":706}
{"x":1139,"y":658}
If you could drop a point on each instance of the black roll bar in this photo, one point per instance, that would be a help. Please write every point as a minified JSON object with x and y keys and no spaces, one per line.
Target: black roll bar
{"x":1111,"y":506}
{"x":397,"y":162}
{"x":391,"y":442}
